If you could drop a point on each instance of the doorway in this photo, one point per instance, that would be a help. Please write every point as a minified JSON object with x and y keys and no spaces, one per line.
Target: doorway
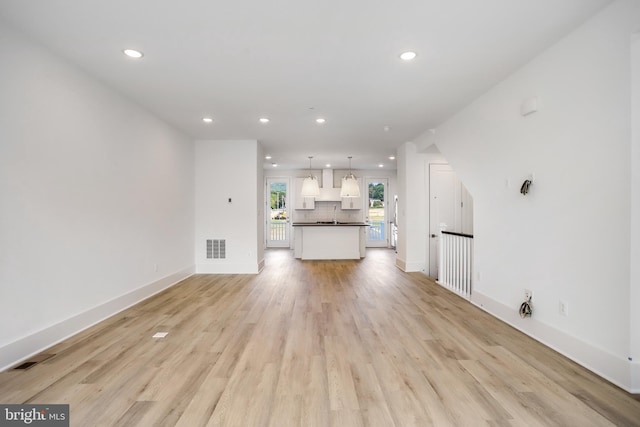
{"x":277,"y":213}
{"x":450,"y":209}
{"x":377,"y":212}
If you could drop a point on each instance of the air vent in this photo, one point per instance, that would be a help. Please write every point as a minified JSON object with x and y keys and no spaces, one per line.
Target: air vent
{"x":216,"y":248}
{"x":34,"y":361}
{"x":25,"y":365}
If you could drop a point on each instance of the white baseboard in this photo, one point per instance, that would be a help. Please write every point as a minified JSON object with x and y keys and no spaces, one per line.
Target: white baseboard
{"x":415,"y":267}
{"x":635,"y":377}
{"x":615,"y":369}
{"x":19,"y":350}
{"x":409,"y":267}
{"x":228,"y":268}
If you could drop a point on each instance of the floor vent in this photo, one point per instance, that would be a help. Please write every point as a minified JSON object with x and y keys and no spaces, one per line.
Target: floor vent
{"x":34,"y":361}
{"x":216,"y":248}
{"x":25,"y":365}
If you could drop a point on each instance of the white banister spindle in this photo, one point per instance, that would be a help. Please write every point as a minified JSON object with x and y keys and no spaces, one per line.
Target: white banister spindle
{"x":455,"y":262}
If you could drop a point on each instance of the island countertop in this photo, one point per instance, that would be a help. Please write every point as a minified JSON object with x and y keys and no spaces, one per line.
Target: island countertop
{"x":329,"y":240}
{"x":329,"y":223}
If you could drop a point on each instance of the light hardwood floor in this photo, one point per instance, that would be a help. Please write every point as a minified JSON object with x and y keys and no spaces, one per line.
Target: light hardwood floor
{"x":315,"y":343}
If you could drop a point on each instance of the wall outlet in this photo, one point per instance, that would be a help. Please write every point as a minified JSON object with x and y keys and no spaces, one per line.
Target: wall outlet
{"x":563,"y":308}
{"x":528,"y":294}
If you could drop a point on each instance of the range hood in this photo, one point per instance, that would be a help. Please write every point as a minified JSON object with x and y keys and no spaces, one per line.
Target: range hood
{"x":328,"y":193}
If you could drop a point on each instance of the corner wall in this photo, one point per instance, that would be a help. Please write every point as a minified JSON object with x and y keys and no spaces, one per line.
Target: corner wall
{"x":229,"y":170}
{"x":413,"y":224}
{"x":568,"y":240}
{"x":634,"y":300}
{"x":97,"y":201}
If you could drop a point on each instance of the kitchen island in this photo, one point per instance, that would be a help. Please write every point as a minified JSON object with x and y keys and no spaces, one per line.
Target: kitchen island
{"x":329,"y":240}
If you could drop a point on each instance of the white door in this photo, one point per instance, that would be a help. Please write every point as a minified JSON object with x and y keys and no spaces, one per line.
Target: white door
{"x":377,"y":212}
{"x":277,"y":212}
{"x":450,"y":209}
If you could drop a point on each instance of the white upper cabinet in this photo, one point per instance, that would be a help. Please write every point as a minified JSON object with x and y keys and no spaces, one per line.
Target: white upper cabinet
{"x":353,"y":202}
{"x":302,"y":202}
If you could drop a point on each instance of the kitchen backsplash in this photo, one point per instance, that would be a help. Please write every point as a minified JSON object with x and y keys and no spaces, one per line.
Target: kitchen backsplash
{"x":324,"y":212}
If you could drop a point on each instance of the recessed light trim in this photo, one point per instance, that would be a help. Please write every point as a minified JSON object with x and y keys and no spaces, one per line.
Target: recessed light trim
{"x":408,"y":56}
{"x":132,"y":53}
{"x":264,"y":120}
{"x":321,"y":120}
{"x":207,"y":119}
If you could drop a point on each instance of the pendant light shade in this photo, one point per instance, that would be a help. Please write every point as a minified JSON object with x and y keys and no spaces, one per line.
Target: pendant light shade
{"x":350,"y":187}
{"x":310,"y":187}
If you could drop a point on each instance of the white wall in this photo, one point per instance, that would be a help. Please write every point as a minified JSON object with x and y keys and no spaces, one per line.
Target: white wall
{"x":569,"y":238}
{"x":634,"y":300}
{"x":261,"y":206}
{"x":96,"y":200}
{"x":229,"y":169}
{"x":413,"y":223}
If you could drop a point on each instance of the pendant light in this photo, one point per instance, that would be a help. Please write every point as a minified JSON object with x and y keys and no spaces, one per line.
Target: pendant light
{"x":310,"y":186}
{"x":350,"y":187}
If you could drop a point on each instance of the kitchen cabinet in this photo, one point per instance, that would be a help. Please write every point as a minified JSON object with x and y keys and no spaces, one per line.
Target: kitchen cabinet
{"x":351,"y":203}
{"x":302,"y":202}
{"x":330,"y":241}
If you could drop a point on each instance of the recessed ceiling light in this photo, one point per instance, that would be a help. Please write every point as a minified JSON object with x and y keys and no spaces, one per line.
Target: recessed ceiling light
{"x":132,"y":53}
{"x":328,"y":165}
{"x":207,"y":119}
{"x":320,"y":120}
{"x":386,"y":128}
{"x":408,"y":56}
{"x":275,"y":165}
{"x":264,"y":120}
{"x":268,"y":157}
{"x":380,"y":165}
{"x":392,"y":157}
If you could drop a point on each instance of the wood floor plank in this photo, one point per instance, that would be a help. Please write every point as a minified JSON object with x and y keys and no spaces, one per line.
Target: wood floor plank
{"x":375,"y":410}
{"x":315,"y":403}
{"x":200,"y":409}
{"x":315,"y":344}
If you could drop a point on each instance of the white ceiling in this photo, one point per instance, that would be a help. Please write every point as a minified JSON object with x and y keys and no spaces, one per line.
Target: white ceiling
{"x":295,"y":60}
